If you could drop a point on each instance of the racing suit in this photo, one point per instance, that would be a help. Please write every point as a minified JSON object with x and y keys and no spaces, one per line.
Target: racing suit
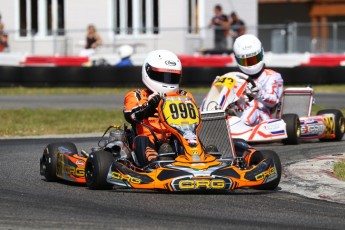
{"x":270,"y":85}
{"x":136,"y":108}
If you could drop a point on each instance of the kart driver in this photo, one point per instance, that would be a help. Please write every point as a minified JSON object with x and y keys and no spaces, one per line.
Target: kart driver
{"x":161,"y":73}
{"x":249,"y":56}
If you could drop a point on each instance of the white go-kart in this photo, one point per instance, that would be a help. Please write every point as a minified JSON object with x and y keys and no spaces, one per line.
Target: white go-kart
{"x":229,"y":93}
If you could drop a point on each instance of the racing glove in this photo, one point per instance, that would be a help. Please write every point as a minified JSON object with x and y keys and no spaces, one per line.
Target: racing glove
{"x":148,"y":109}
{"x":256,"y":93}
{"x":154,"y":100}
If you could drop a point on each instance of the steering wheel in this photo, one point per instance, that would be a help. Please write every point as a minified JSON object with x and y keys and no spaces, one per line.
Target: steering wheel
{"x":249,"y":80}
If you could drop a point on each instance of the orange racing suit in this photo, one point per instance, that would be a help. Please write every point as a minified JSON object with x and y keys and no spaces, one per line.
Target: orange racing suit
{"x":144,"y":143}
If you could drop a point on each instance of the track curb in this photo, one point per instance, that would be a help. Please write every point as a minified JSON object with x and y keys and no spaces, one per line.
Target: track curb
{"x":314,"y":178}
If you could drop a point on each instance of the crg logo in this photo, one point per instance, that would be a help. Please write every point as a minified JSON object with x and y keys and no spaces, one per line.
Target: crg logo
{"x":181,"y":184}
{"x":170,"y":63}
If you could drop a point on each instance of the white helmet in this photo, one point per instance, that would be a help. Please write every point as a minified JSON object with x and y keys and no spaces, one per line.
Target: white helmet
{"x":125,"y":51}
{"x":162,"y":71}
{"x":249,"y":54}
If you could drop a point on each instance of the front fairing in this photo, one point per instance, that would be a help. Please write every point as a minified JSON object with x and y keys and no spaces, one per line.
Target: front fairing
{"x":181,"y":117}
{"x":194,"y":176}
{"x":224,"y":91}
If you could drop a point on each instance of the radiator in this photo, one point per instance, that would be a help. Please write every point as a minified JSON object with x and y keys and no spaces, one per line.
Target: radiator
{"x":215,"y":131}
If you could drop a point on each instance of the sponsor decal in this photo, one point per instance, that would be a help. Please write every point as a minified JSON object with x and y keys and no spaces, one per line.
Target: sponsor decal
{"x":170,"y":63}
{"x":189,"y":135}
{"x":128,"y":178}
{"x":330,"y":125}
{"x":312,"y":129}
{"x":263,"y":175}
{"x":272,"y":127}
{"x":310,"y":121}
{"x":202,"y":184}
{"x":79,"y":162}
{"x":70,"y":170}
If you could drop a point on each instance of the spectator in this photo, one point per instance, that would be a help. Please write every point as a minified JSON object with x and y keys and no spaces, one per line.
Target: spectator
{"x":220,"y":23}
{"x":3,"y":38}
{"x":93,"y":40}
{"x":237,"y":27}
{"x":125,"y":52}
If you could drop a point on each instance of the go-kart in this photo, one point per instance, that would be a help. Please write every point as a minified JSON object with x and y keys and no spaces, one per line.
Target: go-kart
{"x":187,"y":165}
{"x":326,"y":125}
{"x":230,"y":93}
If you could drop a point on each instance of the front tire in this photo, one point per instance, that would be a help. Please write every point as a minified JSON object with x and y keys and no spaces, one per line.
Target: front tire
{"x":96,"y":170}
{"x":339,"y":123}
{"x":257,"y":157}
{"x":48,"y":161}
{"x":293,"y":129}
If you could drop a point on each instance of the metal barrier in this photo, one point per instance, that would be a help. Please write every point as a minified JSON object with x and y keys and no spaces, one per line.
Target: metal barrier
{"x":279,"y":38}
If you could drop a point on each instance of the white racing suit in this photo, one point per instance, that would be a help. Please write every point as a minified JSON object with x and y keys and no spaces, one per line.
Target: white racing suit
{"x":270,"y":84}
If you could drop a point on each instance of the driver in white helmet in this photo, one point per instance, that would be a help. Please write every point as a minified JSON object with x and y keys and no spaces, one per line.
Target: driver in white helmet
{"x":161,"y":73}
{"x":249,"y":56}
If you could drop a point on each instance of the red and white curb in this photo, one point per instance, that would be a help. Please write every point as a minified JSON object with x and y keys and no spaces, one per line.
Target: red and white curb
{"x":314,"y":178}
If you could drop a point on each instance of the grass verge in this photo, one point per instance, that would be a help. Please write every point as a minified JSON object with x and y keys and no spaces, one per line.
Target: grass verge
{"x":339,"y":169}
{"x":29,"y":122}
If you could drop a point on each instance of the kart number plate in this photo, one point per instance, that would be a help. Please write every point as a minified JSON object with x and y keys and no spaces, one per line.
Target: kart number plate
{"x":178,"y":112}
{"x":228,"y":82}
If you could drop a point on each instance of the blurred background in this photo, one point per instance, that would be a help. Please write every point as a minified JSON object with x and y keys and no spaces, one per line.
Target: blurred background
{"x":53,"y":32}
{"x":58,"y":27}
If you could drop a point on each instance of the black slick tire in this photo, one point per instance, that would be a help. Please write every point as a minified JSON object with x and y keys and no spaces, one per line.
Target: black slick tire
{"x":48,"y":161}
{"x":96,"y":170}
{"x":257,"y":157}
{"x":293,"y":129}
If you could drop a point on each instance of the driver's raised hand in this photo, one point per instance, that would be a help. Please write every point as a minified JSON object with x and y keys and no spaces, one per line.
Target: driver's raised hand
{"x":256,"y":93}
{"x":153,"y":100}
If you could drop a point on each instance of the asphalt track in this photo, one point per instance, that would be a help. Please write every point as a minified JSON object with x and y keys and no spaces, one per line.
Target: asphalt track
{"x":27,"y":201}
{"x":111,"y":101}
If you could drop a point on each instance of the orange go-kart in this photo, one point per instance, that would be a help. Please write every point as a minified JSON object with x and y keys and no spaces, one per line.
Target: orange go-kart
{"x":201,"y":156}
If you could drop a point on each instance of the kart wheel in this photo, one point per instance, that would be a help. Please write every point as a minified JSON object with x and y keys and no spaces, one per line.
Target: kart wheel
{"x":257,"y":157}
{"x":96,"y":170}
{"x":339,"y":123}
{"x":48,"y":161}
{"x":293,"y":129}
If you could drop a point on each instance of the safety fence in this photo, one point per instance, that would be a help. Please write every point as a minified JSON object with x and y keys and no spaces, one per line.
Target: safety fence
{"x":279,"y":38}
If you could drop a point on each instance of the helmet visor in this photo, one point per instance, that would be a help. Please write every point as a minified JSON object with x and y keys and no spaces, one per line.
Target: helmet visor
{"x":167,"y":76}
{"x":250,"y":61}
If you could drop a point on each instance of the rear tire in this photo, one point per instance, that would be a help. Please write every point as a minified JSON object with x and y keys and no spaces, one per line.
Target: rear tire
{"x":339,"y":123}
{"x":96,"y":170}
{"x":257,"y":157}
{"x":293,"y":129}
{"x":48,"y":161}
